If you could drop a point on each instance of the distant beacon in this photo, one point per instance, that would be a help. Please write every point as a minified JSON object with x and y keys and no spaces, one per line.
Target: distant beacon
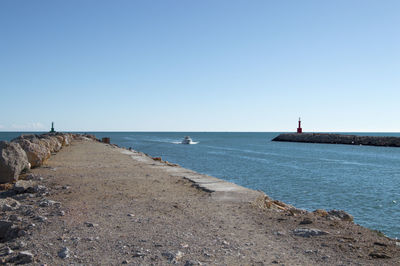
{"x":52,"y":128}
{"x":299,"y":129}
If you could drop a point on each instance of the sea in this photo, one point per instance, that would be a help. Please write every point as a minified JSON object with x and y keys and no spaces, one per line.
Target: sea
{"x":361,"y":180}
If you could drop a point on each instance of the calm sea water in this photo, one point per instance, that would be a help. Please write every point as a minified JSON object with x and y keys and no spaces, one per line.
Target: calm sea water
{"x":362,"y":180}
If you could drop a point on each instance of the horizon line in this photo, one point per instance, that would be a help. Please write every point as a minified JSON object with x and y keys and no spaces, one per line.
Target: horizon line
{"x":174,"y":131}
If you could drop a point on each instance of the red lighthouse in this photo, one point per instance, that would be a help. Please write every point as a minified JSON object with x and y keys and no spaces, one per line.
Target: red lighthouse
{"x":299,"y":129}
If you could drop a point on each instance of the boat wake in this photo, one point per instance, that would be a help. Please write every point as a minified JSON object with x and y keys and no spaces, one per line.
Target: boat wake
{"x":180,"y":142}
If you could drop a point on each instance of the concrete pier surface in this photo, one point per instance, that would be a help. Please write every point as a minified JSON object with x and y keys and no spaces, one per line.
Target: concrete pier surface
{"x":339,"y":139}
{"x":104,"y":205}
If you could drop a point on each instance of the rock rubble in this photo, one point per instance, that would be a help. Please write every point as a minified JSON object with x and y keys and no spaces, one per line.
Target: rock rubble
{"x":24,"y":209}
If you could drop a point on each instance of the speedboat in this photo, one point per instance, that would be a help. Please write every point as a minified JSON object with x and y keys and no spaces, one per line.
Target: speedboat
{"x":187,"y":140}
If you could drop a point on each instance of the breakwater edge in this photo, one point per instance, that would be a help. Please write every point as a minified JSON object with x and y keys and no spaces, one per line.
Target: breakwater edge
{"x":326,"y":138}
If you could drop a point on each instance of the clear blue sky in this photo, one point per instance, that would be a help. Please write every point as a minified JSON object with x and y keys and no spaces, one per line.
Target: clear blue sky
{"x":200,"y":65}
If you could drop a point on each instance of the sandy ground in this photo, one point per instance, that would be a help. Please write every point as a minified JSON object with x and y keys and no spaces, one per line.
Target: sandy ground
{"x":125,"y":208}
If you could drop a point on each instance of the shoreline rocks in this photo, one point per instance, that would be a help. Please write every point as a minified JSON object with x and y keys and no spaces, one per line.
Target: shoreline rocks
{"x":339,"y":139}
{"x":30,"y":151}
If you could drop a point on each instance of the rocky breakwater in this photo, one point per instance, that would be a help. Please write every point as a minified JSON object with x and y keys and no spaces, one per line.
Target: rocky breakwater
{"x":23,"y":200}
{"x":30,"y":151}
{"x":339,"y":139}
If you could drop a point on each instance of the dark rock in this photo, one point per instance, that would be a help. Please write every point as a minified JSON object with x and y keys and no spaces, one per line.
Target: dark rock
{"x":173,"y":257}
{"x":310,"y":251}
{"x":306,"y":221}
{"x":75,"y":238}
{"x":5,"y":229}
{"x":24,"y":186}
{"x":22,"y":233}
{"x":22,"y":196}
{"x":5,"y":251}
{"x":40,"y":189}
{"x":64,"y":253}
{"x":15,"y":218}
{"x":380,"y":244}
{"x":13,"y":161}
{"x":138,"y":253}
{"x":340,"y":215}
{"x":308,"y":232}
{"x":40,"y":218}
{"x":168,"y":255}
{"x":191,"y":263}
{"x":379,"y":255}
{"x":26,"y":210}
{"x":88,"y":224}
{"x":47,"y":203}
{"x":320,"y":212}
{"x":22,"y":258}
{"x":18,"y":245}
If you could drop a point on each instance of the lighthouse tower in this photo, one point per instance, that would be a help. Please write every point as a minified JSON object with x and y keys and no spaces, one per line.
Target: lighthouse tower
{"x":52,"y":128}
{"x":299,"y":129}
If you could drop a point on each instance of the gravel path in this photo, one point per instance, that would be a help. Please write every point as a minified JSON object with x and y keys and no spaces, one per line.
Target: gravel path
{"x":119,"y":207}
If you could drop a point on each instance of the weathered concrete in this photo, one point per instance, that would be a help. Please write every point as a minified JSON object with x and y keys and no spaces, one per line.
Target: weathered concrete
{"x":339,"y":139}
{"x":219,"y":189}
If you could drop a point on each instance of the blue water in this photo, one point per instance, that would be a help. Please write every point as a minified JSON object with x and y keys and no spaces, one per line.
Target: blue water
{"x":362,"y":180}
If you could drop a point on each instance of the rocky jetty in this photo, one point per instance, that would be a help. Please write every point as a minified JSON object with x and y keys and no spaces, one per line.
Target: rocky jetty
{"x":339,"y":139}
{"x":96,"y":203}
{"x":30,"y":151}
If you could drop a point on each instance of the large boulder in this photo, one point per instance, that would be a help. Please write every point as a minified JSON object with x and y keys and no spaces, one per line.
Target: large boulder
{"x":37,"y":153}
{"x":64,"y":138}
{"x":44,"y":142}
{"x":68,"y":139}
{"x":57,"y":144}
{"x":60,"y":139}
{"x":13,"y":161}
{"x":52,"y":142}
